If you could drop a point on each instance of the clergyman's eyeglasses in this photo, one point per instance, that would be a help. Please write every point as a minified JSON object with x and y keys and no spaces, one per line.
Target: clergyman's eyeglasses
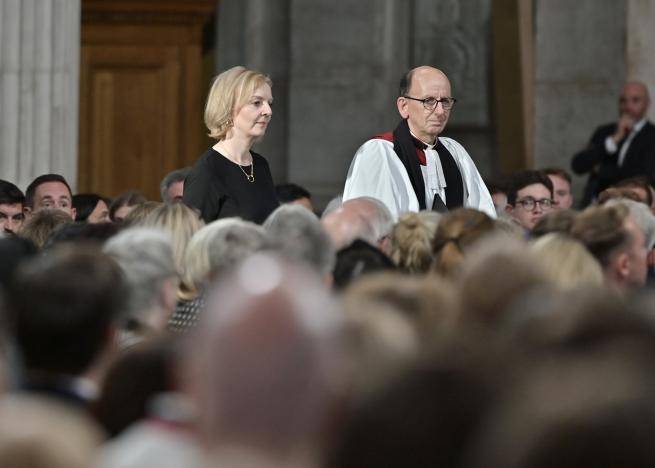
{"x":431,"y":103}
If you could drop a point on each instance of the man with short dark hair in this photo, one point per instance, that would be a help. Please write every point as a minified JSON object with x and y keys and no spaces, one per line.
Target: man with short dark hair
{"x":294,"y":193}
{"x":640,"y":186}
{"x":529,"y":197}
{"x":619,"y":150}
{"x":172,"y":185}
{"x":11,"y":207}
{"x":48,"y":192}
{"x":413,"y":168}
{"x":62,"y":307}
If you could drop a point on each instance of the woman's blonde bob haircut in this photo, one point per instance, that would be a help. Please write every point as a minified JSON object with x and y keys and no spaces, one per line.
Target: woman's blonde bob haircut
{"x":229,"y":92}
{"x":567,"y":262}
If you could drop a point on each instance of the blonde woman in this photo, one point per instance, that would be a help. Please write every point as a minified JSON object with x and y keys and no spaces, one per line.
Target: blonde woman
{"x":411,"y":243}
{"x":181,"y":223}
{"x":566,"y":262}
{"x":230,"y":179}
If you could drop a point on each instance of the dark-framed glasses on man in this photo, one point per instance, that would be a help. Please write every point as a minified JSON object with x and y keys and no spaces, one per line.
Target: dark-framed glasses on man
{"x":529,"y":203}
{"x":430,"y":103}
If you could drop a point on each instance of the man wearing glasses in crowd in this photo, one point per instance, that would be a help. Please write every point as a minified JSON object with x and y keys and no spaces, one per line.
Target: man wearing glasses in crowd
{"x":529,"y":197}
{"x":413,"y":168}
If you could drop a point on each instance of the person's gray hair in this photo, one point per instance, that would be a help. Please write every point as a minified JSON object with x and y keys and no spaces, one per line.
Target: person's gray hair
{"x":297,"y":234}
{"x":380,"y":217}
{"x":642,"y":216}
{"x":178,"y":175}
{"x":219,"y":246}
{"x":146,"y":258}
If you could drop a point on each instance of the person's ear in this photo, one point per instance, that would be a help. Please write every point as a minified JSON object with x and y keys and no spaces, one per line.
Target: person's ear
{"x":622,"y":265}
{"x":509,"y":208}
{"x":74,"y":213}
{"x":27,"y":211}
{"x":401,"y":103}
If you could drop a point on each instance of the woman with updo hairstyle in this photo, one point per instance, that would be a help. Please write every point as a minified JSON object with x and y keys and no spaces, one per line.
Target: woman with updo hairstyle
{"x":229,"y":179}
{"x":411,"y":243}
{"x":457,"y":231}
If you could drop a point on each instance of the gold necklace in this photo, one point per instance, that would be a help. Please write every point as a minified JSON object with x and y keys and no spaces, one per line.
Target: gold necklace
{"x":251,"y":176}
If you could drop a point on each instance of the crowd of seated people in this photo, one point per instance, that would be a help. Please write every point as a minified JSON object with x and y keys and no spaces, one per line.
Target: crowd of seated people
{"x":135,"y":334}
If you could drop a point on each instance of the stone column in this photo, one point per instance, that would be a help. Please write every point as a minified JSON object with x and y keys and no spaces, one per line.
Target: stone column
{"x":39,"y":75}
{"x":641,"y":45}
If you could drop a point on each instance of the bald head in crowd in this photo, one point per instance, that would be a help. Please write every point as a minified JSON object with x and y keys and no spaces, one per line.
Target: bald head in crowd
{"x":364,"y":218}
{"x":344,"y":226}
{"x":268,"y":360}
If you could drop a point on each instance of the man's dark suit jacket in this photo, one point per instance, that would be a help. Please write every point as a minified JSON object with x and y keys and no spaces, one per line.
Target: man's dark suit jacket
{"x":603,"y":168}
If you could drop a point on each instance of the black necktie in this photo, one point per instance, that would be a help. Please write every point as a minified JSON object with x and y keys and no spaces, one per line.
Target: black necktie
{"x":438,"y":205}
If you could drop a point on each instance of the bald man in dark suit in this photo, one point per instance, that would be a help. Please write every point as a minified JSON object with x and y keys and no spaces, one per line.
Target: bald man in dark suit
{"x":619,"y":150}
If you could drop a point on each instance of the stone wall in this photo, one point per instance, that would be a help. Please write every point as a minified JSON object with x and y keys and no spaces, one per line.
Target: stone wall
{"x":641,"y":40}
{"x":455,"y":36}
{"x":580,"y":65}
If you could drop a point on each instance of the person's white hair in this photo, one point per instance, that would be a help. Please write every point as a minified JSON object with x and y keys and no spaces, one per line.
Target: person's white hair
{"x":641,"y":215}
{"x":376,"y":212}
{"x":146,"y":258}
{"x":297,"y":234}
{"x":344,"y":226}
{"x":219,"y":246}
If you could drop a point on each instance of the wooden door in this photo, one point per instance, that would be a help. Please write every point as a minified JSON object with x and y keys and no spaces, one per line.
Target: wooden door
{"x":141,"y":92}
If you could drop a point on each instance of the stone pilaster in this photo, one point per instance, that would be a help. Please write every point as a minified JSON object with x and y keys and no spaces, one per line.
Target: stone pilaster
{"x":641,"y":45}
{"x":39,"y":76}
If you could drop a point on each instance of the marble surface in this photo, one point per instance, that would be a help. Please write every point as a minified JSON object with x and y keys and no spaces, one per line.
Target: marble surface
{"x":39,"y":79}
